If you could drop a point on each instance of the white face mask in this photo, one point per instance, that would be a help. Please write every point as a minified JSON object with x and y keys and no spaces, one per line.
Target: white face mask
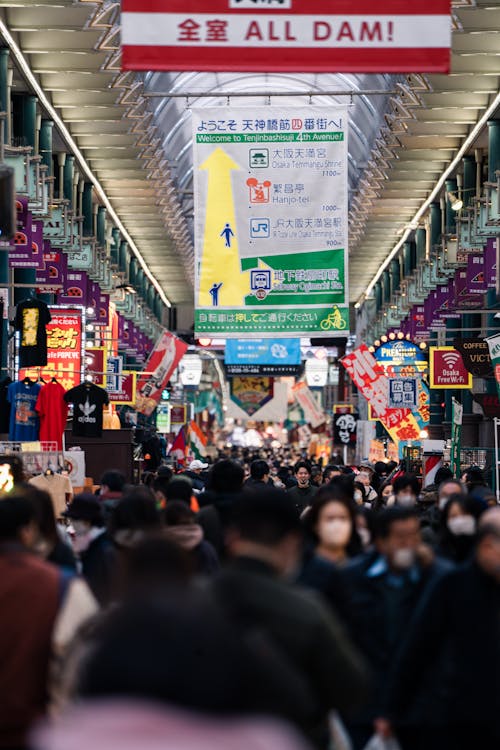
{"x":404,"y":558}
{"x":365,"y":537}
{"x":462,"y":525}
{"x":335,"y":533}
{"x":358,"y":497}
{"x":406,"y":500}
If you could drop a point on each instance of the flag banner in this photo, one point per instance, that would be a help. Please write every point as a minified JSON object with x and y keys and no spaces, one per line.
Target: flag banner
{"x":494,"y":345}
{"x":251,"y":394}
{"x":369,"y":377}
{"x":161,"y":363}
{"x":456,"y":435}
{"x":313,"y":414}
{"x":270,"y":188}
{"x":197,"y":441}
{"x":344,"y":429}
{"x":368,"y":36}
{"x":179,"y":447}
{"x":76,"y":289}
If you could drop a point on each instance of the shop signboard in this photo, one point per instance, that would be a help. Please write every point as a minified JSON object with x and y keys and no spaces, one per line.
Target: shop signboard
{"x":251,"y":394}
{"x":367,"y":36}
{"x":76,"y":288}
{"x":53,"y":272}
{"x":122,"y":392}
{"x":65,"y":345}
{"x":463,"y":299}
{"x":178,"y":415}
{"x":313,"y":414}
{"x":368,"y":375}
{"x":268,"y":357}
{"x":476,"y":278}
{"x":494,"y":345}
{"x":399,"y":353}
{"x":447,"y":369}
{"x":403,"y":392}
{"x":490,"y":262}
{"x":160,"y":365}
{"x":344,"y":429}
{"x":476,"y":356}
{"x":271,"y":222}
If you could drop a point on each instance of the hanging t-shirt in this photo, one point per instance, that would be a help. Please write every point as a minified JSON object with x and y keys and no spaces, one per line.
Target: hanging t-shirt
{"x":59,"y":488}
{"x":4,"y":405}
{"x":32,"y":316}
{"x":24,"y":423}
{"x":53,"y":412}
{"x":87,"y":400}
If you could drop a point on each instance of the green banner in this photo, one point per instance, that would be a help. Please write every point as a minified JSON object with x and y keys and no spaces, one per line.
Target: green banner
{"x":242,"y":322}
{"x":494,"y":346}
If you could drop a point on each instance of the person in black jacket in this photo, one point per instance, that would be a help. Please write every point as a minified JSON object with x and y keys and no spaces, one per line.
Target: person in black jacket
{"x":384,"y":587}
{"x":452,"y":655}
{"x":302,"y":495}
{"x":49,"y":543}
{"x":458,"y":527}
{"x":224,"y":485}
{"x":253,"y":590}
{"x":259,"y":475}
{"x":93,"y":545}
{"x":182,"y":529}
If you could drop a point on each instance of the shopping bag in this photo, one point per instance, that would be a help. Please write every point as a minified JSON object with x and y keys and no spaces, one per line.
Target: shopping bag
{"x":378,"y":742}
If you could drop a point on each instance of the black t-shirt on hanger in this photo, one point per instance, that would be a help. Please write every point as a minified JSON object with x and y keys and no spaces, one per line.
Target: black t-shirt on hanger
{"x":88,"y":400}
{"x":32,"y":315}
{"x":4,"y":405}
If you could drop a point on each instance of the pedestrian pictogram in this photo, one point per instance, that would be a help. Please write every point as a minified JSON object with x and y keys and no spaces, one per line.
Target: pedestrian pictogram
{"x":227,"y":233}
{"x":214,"y":292}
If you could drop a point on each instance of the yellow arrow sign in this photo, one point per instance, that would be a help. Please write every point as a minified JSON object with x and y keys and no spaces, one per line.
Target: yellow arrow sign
{"x":222,"y":282}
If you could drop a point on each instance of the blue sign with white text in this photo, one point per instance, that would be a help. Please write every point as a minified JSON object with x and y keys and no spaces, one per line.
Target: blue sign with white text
{"x":262,"y":352}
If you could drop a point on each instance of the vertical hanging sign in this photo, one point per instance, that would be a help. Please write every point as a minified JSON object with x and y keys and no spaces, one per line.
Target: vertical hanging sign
{"x":456,"y":435}
{"x":494,"y":345}
{"x":271,"y":222}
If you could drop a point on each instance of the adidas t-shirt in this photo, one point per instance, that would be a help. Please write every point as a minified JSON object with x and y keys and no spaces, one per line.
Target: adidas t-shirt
{"x":87,"y":401}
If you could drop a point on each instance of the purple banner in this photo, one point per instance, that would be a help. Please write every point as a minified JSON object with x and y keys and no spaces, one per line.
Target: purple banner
{"x":37,"y":243}
{"x":121,"y":331}
{"x":75,"y":290}
{"x":21,"y":210}
{"x":462,"y":299}
{"x":490,"y":263}
{"x":476,"y":281}
{"x":20,"y":252}
{"x":103,"y":310}
{"x":54,"y":270}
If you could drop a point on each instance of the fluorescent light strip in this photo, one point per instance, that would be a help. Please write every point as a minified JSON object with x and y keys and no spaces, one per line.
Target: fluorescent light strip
{"x":27,"y":72}
{"x":488,"y":113}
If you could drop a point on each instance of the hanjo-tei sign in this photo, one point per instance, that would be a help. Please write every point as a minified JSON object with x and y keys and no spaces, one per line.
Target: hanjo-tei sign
{"x":287,"y":35}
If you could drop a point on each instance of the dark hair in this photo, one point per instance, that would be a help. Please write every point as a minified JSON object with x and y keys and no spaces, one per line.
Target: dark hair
{"x":165,"y":472}
{"x":443,"y":474}
{"x":381,"y":502}
{"x":136,"y":510}
{"x":225,"y":477}
{"x":328,"y":470}
{"x":155,"y":564}
{"x":387,"y":517}
{"x":302,"y":465}
{"x":380,"y":467}
{"x":360,"y":486}
{"x":451,"y":480}
{"x":475,"y":476}
{"x":406,"y":480}
{"x":177,"y":513}
{"x":259,"y":469}
{"x":16,"y":512}
{"x":179,"y":489}
{"x":265,"y":517}
{"x":43,"y":510}
{"x":333,"y":494}
{"x":114,"y":480}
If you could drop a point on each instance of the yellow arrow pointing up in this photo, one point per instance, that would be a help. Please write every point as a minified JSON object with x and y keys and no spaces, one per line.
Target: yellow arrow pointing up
{"x":220,"y":263}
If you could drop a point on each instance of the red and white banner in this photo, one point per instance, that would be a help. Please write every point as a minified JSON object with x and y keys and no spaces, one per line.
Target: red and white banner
{"x":369,"y":377}
{"x":365,"y":36}
{"x":162,"y":362}
{"x":447,"y":369}
{"x":313,"y":414}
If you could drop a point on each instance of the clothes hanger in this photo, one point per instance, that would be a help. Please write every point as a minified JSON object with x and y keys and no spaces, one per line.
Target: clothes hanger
{"x":27,"y":381}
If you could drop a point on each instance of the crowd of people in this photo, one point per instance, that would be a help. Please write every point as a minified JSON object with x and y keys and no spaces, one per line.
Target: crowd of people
{"x":252,"y":603}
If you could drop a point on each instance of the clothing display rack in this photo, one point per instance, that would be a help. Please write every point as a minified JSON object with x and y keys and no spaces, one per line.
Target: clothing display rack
{"x":49,"y":457}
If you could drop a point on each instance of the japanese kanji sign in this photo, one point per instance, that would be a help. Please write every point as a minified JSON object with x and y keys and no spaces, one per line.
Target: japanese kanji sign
{"x":368,"y":375}
{"x":287,"y":35}
{"x":271,"y":222}
{"x":64,"y":349}
{"x":403,"y":392}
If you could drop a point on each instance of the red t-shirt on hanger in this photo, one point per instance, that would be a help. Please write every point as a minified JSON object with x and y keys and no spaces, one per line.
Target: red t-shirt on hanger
{"x":53,"y":412}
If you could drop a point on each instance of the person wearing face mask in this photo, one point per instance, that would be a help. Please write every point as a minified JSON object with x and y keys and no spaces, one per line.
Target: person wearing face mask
{"x":93,"y":545}
{"x":384,"y":588}
{"x":50,"y":543}
{"x":364,"y":477}
{"x":452,"y":655}
{"x":406,"y":490}
{"x":458,"y":528}
{"x":385,"y":497}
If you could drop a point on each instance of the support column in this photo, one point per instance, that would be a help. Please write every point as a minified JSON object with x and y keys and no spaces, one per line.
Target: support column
{"x":69,"y":169}
{"x":123,"y":257}
{"x":420,"y":245}
{"x":469,"y":186}
{"x":377,"y":290}
{"x":132,"y":271}
{"x":4,"y":90}
{"x":451,"y":186}
{"x":46,"y":131}
{"x":395,"y":272}
{"x":386,"y":285}
{"x":408,"y":258}
{"x":88,"y":229}
{"x":101,"y":226}
{"x":493,"y":149}
{"x":115,"y":244}
{"x":435,"y":224}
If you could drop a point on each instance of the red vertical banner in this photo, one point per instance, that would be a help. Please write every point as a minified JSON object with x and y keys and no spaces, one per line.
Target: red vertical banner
{"x":160,"y":365}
